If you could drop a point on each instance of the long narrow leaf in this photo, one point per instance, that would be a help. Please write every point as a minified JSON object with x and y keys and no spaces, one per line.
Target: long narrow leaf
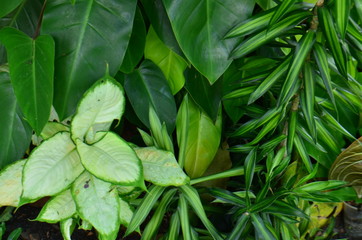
{"x":307,"y":98}
{"x":227,"y":196}
{"x":143,"y":210}
{"x":302,"y":51}
{"x":336,"y":125}
{"x":303,"y":153}
{"x":265,"y":36}
{"x":239,"y":227}
{"x":194,"y":200}
{"x":174,"y":228}
{"x":260,"y":228}
{"x":330,"y":33}
{"x":282,"y":9}
{"x":184,"y":218}
{"x":341,"y":10}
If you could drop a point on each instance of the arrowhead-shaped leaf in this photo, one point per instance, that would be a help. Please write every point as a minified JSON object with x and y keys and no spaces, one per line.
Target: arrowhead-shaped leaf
{"x":31,"y":63}
{"x":100,"y":105}
{"x":10,"y":184}
{"x":160,"y":167}
{"x":98,"y":204}
{"x":204,"y":24}
{"x":91,"y":34}
{"x":111,"y":159}
{"x":51,"y":168}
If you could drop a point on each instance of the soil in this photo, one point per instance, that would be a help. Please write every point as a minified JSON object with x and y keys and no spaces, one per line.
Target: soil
{"x":34,"y":230}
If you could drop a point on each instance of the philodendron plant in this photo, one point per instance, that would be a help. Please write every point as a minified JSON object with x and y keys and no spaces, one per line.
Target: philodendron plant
{"x":90,"y":172}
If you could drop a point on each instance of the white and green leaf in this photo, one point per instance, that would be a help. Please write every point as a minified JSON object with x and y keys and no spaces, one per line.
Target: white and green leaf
{"x":10,"y":184}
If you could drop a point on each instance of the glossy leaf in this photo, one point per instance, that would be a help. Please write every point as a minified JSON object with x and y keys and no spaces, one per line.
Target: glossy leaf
{"x":51,"y":168}
{"x":171,"y":64}
{"x":98,"y":204}
{"x":330,"y":33}
{"x":265,"y":36}
{"x":202,"y":142}
{"x":205,"y":27}
{"x":59,"y":208}
{"x":302,"y":50}
{"x":147,"y":87}
{"x":92,"y":34}
{"x":281,"y":10}
{"x":31,"y":63}
{"x":322,"y":62}
{"x":136,"y":44}
{"x":347,"y":165}
{"x":161,"y":168}
{"x":15,"y":132}
{"x":341,"y":11}
{"x":100,"y":105}
{"x":10,"y":184}
{"x":111,"y":159}
{"x":206,"y":96}
{"x":145,"y":207}
{"x":8,"y":5}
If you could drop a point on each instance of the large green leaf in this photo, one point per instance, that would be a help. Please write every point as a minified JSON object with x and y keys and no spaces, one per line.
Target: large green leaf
{"x":160,"y":167}
{"x":31,"y":63}
{"x":10,"y":184}
{"x":15,"y":132}
{"x":91,"y":34}
{"x":8,"y":5}
{"x":136,"y":44}
{"x":125,"y":212}
{"x":200,"y":26}
{"x":207,"y":96}
{"x":347,"y":166}
{"x":148,"y":87}
{"x":101,"y":104}
{"x":171,"y":64}
{"x":98,"y":204}
{"x":202,"y":139}
{"x":60,"y":207}
{"x":51,"y":168}
{"x":111,"y":159}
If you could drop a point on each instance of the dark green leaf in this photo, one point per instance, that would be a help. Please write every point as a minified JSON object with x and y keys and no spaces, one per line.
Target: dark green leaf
{"x":8,"y":5}
{"x":303,"y":153}
{"x":147,"y":87}
{"x":31,"y":65}
{"x":281,"y":207}
{"x":341,"y":10}
{"x":330,"y":33}
{"x":91,"y":34}
{"x":265,"y":36}
{"x":206,"y":96}
{"x":204,"y":23}
{"x":301,"y":52}
{"x":227,"y":196}
{"x":15,"y":132}
{"x":15,"y":234}
{"x":281,"y":10}
{"x":261,"y":230}
{"x":239,"y":227}
{"x":136,"y":44}
{"x":307,"y":98}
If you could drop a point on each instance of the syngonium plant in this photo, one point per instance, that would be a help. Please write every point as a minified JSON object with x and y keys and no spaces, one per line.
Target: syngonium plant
{"x":88,"y":171}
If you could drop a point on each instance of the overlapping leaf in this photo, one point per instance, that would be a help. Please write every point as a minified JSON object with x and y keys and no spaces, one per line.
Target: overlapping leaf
{"x":10,"y":184}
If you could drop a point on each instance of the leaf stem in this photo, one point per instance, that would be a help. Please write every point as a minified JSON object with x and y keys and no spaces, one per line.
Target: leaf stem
{"x":40,"y":19}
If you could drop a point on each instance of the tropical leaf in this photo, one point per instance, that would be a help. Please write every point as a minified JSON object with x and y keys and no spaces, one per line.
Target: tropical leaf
{"x":261,"y":230}
{"x":59,"y":208}
{"x":281,"y":10}
{"x":347,"y":166}
{"x":171,"y":64}
{"x":239,"y":227}
{"x":51,"y":168}
{"x":147,"y":87}
{"x":136,"y":44}
{"x":31,"y":63}
{"x":100,"y":105}
{"x":307,"y":98}
{"x":341,"y":12}
{"x":98,"y":204}
{"x":205,"y":27}
{"x":94,"y":33}
{"x":265,"y":36}
{"x":330,"y":33}
{"x":15,"y":132}
{"x":111,"y":159}
{"x":10,"y":184}
{"x":161,"y":168}
{"x":184,"y":218}
{"x":9,"y":5}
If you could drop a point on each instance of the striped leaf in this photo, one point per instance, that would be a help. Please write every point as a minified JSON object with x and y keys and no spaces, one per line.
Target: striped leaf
{"x":184,"y":218}
{"x":239,"y":227}
{"x":307,"y":98}
{"x":333,"y":41}
{"x":270,"y":80}
{"x":227,"y":196}
{"x":265,"y":36}
{"x":303,"y":153}
{"x":145,"y":207}
{"x":292,"y":124}
{"x":302,"y":51}
{"x":156,"y":220}
{"x":327,"y":137}
{"x":336,"y":125}
{"x":321,"y":58}
{"x":341,"y":12}
{"x":174,"y":229}
{"x":261,"y":230}
{"x":282,"y":9}
{"x":193,"y":199}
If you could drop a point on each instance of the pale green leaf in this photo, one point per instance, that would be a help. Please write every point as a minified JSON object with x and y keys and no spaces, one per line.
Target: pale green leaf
{"x":52,"y":128}
{"x":125,"y":212}
{"x":66,"y":227}
{"x":10,"y":184}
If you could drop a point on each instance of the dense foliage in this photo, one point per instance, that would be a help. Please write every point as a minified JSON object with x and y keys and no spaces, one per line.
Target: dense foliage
{"x":226,"y":112}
